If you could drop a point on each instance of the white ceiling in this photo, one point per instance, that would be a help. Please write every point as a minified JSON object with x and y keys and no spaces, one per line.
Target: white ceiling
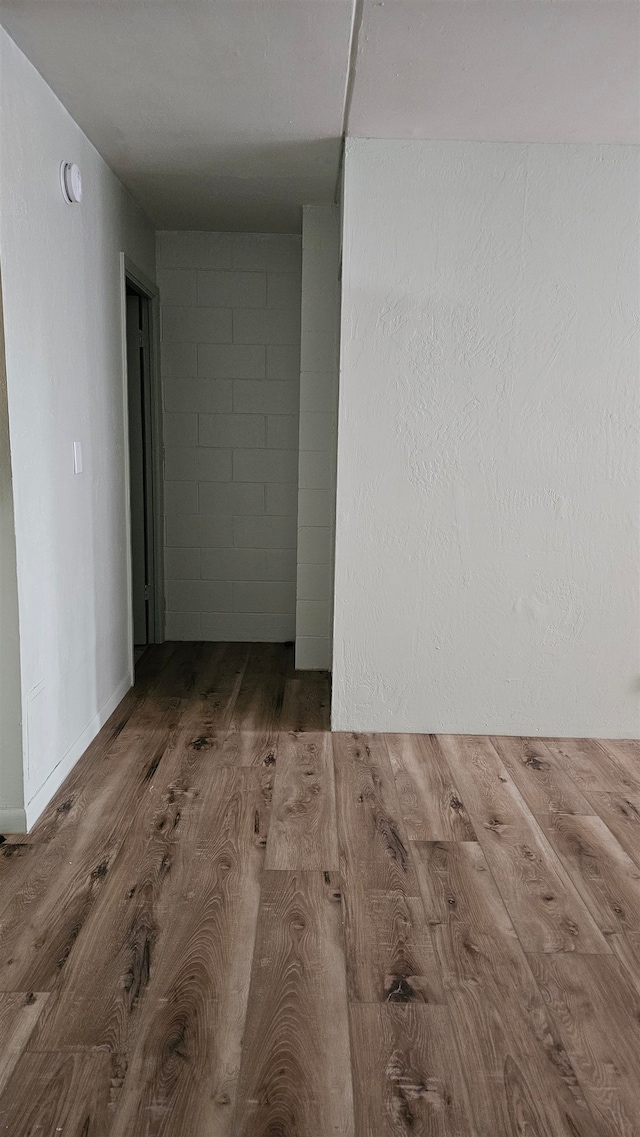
{"x":505,"y":71}
{"x":228,"y":114}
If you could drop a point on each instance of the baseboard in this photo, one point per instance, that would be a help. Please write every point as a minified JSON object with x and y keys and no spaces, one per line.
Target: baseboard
{"x":41,"y":799}
{"x":12,"y":820}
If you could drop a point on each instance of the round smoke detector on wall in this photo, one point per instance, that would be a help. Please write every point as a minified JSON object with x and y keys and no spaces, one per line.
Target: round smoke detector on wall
{"x":71,"y":182}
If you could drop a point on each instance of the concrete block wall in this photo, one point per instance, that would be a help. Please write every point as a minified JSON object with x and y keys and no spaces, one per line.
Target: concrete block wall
{"x":318,"y":429}
{"x":230,"y":306}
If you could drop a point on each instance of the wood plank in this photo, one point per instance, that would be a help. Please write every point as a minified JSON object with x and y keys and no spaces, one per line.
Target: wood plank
{"x":106,"y":979}
{"x":216,"y":686}
{"x":295,"y":1077}
{"x":260,"y":700}
{"x":179,"y":678}
{"x":374,"y":848}
{"x":519,"y":1077}
{"x":627,"y":948}
{"x":607,"y":782}
{"x":58,"y":1093}
{"x":389,"y":951}
{"x":431,"y":805}
{"x":14,"y":865}
{"x":185,"y":1061}
{"x":307,"y":702}
{"x":303,"y":832}
{"x":407,"y":1077}
{"x":625,"y":754}
{"x":547,"y":911}
{"x":257,"y":748}
{"x":620,"y":812}
{"x":106,"y":975}
{"x":607,"y":879}
{"x":41,"y":922}
{"x":609,"y":787}
{"x":587,"y":764}
{"x":597,"y":1011}
{"x":19,"y":1013}
{"x":390,"y":956}
{"x":543,"y":783}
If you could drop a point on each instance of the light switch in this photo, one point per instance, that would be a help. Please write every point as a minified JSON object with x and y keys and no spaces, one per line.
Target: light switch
{"x":77,"y":457}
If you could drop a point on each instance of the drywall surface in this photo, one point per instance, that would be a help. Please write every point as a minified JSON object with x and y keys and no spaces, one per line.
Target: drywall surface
{"x":63,"y":332}
{"x":487,"y":546}
{"x":231,"y":374}
{"x":12,"y":814}
{"x":504,"y":70}
{"x":320,"y":340}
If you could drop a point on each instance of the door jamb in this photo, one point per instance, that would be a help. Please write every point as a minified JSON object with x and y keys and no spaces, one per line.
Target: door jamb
{"x":130,"y":272}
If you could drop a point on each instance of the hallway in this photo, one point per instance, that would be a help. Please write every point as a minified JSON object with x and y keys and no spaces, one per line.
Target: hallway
{"x":231,"y":923}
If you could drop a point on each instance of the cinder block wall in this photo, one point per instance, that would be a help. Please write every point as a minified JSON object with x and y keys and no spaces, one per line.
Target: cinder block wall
{"x":318,"y":428}
{"x":231,"y":370}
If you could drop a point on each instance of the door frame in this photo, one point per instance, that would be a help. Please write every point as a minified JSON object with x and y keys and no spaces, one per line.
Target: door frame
{"x":131,"y":274}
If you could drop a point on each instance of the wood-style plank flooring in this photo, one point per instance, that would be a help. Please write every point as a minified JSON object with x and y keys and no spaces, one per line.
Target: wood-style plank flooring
{"x":232,"y":923}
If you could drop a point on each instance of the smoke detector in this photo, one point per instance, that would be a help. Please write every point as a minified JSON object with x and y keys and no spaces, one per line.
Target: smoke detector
{"x":71,"y":182}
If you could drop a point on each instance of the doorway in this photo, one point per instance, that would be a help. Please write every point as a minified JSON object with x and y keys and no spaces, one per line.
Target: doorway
{"x":142,"y":454}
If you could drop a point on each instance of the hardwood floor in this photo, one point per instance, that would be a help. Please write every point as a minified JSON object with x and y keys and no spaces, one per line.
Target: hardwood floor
{"x":231,"y":923}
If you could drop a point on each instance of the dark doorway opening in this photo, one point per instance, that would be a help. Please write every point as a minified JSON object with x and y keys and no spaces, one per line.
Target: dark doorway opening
{"x":139,"y":399}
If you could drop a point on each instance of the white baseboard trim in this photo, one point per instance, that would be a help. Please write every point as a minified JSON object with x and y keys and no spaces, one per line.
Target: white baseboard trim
{"x":12,"y":820}
{"x":41,"y":799}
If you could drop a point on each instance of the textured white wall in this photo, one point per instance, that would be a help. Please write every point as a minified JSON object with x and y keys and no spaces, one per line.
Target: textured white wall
{"x":318,"y":424}
{"x":231,"y":366}
{"x":487,"y":544}
{"x":63,"y":331}
{"x":12,"y":815}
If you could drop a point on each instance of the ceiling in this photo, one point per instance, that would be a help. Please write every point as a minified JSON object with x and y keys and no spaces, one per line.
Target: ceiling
{"x":229,"y":114}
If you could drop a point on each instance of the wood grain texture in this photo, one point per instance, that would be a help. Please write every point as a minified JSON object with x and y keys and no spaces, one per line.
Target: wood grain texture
{"x":627,"y":949}
{"x":609,"y":785}
{"x":587,"y":764}
{"x":41,"y":923}
{"x":431,"y":806}
{"x":260,"y":700}
{"x":307,"y":702}
{"x":58,"y":1093}
{"x":183,"y":1068}
{"x":209,"y":710}
{"x":19,"y":1013}
{"x":295,"y":1077}
{"x":158,"y":982}
{"x":543,"y":783}
{"x":620,"y":812}
{"x":390,"y":956}
{"x":303,"y":833}
{"x":608,"y":880}
{"x":597,"y":1012}
{"x":519,"y":1076}
{"x":407,"y":1077}
{"x":625,"y":754}
{"x":389,"y":952}
{"x":547,"y":911}
{"x":373,"y":842}
{"x":115,"y":948}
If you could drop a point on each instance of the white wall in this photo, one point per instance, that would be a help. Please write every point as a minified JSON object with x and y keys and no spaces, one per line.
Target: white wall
{"x":318,"y":423}
{"x":487,"y":518}
{"x":231,"y":366}
{"x":11,"y":777}
{"x":63,"y":329}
